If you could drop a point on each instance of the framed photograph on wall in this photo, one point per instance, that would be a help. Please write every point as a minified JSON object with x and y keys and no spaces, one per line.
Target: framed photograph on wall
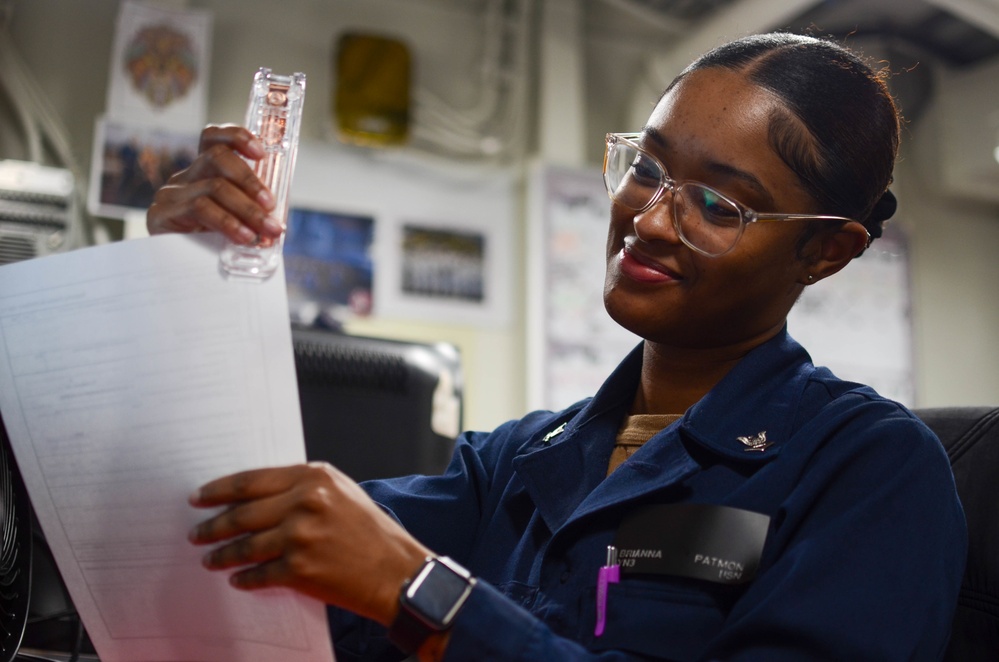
{"x":436,"y":270}
{"x":443,"y":264}
{"x":328,"y":266}
{"x":131,"y":161}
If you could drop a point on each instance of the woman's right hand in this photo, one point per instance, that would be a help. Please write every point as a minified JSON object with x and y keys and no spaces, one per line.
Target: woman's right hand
{"x":218,"y":191}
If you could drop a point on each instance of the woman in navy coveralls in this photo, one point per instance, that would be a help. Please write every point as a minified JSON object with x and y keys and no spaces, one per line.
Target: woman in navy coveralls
{"x":718,"y":411}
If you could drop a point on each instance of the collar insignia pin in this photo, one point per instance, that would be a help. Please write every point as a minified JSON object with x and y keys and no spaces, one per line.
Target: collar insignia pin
{"x":551,"y":435}
{"x":757,"y":442}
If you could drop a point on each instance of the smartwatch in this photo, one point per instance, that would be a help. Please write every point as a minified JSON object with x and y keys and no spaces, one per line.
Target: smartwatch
{"x":429,"y":602}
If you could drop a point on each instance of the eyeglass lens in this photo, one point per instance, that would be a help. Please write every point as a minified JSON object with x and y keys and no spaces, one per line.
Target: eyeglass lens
{"x":706,"y":220}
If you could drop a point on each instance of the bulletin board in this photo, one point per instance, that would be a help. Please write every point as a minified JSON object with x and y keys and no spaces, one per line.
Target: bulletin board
{"x":859,"y":322}
{"x":573,"y":343}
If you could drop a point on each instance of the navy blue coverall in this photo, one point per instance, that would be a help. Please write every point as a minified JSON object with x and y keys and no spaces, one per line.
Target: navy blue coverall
{"x":863,"y":556}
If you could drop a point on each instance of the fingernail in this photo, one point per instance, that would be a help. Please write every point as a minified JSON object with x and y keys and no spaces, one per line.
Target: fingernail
{"x":273,"y":225}
{"x":256,"y":146}
{"x":265,"y":199}
{"x":194,"y":497}
{"x":246,"y":235}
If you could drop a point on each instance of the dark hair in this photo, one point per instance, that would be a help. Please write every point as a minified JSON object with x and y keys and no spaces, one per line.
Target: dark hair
{"x":846,"y":153}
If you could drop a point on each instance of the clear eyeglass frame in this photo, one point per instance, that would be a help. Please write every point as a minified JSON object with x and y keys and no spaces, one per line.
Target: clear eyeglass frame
{"x":716,"y":230}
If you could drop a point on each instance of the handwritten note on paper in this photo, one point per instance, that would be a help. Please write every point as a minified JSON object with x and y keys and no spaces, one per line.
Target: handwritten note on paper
{"x":130,"y":374}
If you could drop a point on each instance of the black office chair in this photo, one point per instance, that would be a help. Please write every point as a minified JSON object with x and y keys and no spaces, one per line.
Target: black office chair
{"x":971,"y":437}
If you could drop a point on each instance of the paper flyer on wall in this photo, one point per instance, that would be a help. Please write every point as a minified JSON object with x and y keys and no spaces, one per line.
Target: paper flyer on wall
{"x":156,"y":106}
{"x":159,"y":66}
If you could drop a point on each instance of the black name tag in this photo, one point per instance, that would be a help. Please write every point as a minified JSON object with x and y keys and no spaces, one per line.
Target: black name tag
{"x":704,"y":541}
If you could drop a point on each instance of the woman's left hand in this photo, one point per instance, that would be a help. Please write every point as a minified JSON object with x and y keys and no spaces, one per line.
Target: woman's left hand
{"x":311,"y":528}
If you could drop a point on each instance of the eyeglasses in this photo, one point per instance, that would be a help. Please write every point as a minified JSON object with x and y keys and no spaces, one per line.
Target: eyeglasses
{"x":705,"y":219}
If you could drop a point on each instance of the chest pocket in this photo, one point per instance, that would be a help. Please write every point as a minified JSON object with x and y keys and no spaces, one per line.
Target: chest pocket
{"x":522,"y":594}
{"x":661,"y":618}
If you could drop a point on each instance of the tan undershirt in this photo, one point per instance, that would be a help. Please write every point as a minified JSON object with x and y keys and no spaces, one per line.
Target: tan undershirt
{"x":635,"y":431}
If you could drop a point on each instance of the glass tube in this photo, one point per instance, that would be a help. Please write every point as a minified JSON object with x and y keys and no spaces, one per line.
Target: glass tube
{"x":274,"y":116}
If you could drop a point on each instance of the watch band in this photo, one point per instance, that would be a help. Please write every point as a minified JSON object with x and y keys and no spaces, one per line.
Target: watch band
{"x":408,"y":632}
{"x":429,"y":601}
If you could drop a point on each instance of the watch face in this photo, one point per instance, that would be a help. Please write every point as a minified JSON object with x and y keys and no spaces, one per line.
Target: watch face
{"x":437,"y":594}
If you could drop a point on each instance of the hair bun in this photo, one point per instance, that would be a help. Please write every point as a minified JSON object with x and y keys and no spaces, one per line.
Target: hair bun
{"x":884,"y":208}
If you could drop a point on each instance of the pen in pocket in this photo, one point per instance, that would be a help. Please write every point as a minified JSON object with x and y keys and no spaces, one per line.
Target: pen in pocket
{"x":608,"y":574}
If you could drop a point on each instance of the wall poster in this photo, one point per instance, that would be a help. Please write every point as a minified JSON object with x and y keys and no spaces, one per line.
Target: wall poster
{"x":858,"y":322}
{"x":573,"y":344}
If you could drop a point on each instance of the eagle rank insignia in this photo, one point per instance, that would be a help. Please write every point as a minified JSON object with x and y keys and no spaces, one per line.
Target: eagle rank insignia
{"x":757,"y":442}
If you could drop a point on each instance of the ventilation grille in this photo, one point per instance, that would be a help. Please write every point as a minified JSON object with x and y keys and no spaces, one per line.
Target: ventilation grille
{"x":37,"y":209}
{"x":16,"y":247}
{"x":35,"y":212}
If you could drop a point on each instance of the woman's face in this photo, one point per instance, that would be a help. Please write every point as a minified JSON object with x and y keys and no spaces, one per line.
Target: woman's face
{"x":712,"y":128}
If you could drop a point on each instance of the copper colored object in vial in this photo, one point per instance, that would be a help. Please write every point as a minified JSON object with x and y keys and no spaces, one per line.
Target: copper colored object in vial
{"x":274,"y":115}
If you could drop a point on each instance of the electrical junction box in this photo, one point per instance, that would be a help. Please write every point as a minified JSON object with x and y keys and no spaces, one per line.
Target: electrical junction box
{"x":372,"y":93}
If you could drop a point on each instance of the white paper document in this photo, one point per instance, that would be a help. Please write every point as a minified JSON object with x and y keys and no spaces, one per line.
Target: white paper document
{"x":130,"y":374}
